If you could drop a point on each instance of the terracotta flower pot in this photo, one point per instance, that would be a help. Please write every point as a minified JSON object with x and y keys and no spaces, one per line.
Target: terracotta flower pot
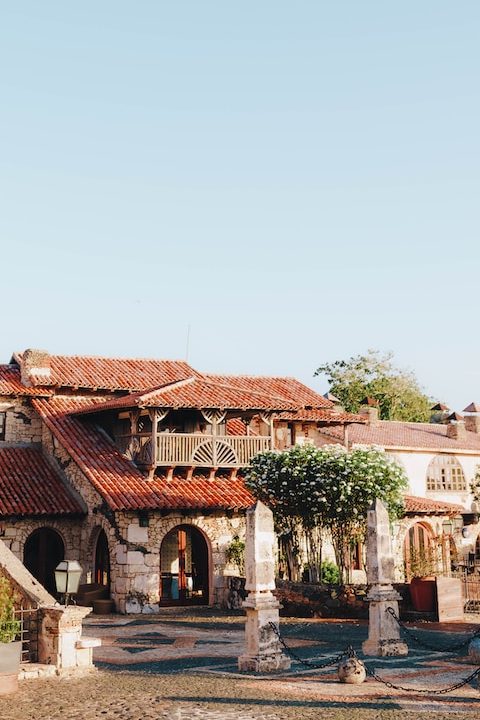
{"x":422,"y":592}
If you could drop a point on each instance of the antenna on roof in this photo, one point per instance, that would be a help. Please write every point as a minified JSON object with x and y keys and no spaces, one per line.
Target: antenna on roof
{"x":188,"y":343}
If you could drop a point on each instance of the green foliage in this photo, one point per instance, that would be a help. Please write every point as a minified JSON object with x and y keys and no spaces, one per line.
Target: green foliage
{"x":235,"y":553}
{"x":475,"y":485}
{"x":423,"y":563}
{"x":329,"y":573}
{"x":9,"y":627}
{"x":374,"y":375}
{"x":327,"y":487}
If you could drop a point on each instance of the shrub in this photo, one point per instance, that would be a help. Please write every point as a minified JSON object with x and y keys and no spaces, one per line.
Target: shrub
{"x":330,"y":573}
{"x":9,"y":627}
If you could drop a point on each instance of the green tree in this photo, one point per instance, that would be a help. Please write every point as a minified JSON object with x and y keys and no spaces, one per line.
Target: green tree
{"x":374,"y":375}
{"x":313,"y":491}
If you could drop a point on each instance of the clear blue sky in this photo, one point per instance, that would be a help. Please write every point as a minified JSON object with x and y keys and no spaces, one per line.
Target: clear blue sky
{"x":297,"y":181}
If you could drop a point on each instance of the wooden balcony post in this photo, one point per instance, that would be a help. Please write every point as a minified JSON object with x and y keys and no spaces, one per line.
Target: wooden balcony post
{"x":153,"y":413}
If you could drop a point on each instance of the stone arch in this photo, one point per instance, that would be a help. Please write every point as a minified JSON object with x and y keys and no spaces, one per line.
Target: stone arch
{"x":185,"y":563}
{"x":44,"y":548}
{"x":418,"y":546}
{"x":96,"y":532}
{"x":101,"y":562}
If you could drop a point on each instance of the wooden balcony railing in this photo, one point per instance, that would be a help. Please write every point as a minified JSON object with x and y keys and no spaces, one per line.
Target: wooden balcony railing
{"x":193,"y":449}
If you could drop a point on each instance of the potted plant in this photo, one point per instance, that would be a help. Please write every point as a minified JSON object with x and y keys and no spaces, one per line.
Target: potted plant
{"x":235,"y":557}
{"x":422,"y":569}
{"x":10,"y":647}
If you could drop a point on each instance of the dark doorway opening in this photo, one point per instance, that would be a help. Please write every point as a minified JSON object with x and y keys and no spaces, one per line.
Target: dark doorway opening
{"x":184,"y":567}
{"x":102,"y":561}
{"x":43,"y":551}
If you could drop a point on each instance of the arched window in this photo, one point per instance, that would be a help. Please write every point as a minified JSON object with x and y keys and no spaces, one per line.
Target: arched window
{"x":445,"y":474}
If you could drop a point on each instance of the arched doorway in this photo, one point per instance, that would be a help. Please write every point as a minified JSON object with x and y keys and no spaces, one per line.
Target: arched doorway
{"x":419,"y":554}
{"x":44,"y":549}
{"x":102,"y":561}
{"x":184,"y":567}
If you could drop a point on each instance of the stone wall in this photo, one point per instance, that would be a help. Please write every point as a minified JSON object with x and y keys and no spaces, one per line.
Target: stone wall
{"x":16,"y":532}
{"x":136,"y":586}
{"x":320,"y":600}
{"x":22,"y":424}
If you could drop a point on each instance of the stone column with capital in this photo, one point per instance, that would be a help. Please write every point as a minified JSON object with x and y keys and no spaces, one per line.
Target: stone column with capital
{"x":263,"y":649}
{"x":383,"y":630}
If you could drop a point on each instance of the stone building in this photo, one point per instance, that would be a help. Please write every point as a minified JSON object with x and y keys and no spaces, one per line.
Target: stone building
{"x":132,"y":468}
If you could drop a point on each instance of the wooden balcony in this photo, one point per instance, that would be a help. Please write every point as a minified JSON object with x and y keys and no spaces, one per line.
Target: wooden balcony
{"x":193,"y":449}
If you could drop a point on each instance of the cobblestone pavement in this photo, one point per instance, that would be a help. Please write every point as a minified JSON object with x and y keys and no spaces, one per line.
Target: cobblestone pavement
{"x":181,"y":665}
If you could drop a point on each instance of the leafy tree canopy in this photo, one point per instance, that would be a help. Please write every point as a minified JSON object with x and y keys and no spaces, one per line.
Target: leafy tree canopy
{"x":374,"y":375}
{"x":329,"y":488}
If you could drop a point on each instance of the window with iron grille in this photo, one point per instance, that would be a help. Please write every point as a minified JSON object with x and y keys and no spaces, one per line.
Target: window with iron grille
{"x":445,"y":473}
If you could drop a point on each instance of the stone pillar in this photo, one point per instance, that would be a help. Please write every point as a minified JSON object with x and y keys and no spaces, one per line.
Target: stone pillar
{"x":263,"y":649}
{"x":60,"y":641}
{"x":383,"y":630}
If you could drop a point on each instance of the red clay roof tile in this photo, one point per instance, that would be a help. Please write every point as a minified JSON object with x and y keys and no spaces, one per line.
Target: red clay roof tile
{"x":29,"y":486}
{"x":394,"y":434}
{"x":418,"y":506}
{"x":102,"y":373}
{"x":292,"y":390}
{"x":197,"y":393}
{"x":11,"y":384}
{"x":323,"y":416}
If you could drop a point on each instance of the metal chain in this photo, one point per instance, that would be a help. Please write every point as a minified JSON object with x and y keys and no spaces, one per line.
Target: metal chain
{"x":425,"y":691}
{"x":351,"y":653}
{"x":427,"y":645}
{"x":348,"y":652}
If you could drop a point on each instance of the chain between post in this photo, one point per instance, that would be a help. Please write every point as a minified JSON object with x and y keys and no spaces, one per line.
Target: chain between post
{"x":350,"y":652}
{"x":427,"y":645}
{"x":318,"y":666}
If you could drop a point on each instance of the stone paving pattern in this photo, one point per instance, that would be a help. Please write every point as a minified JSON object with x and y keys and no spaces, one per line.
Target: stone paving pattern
{"x":181,"y":664}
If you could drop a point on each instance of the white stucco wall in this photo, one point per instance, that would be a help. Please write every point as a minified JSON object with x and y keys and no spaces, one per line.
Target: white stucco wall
{"x":416,"y":464}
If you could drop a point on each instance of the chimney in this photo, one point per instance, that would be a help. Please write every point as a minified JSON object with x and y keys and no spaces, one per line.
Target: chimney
{"x":472,"y":422}
{"x":35,"y":367}
{"x":369,"y":408}
{"x":439,"y":413}
{"x":337,"y":405}
{"x":456,"y":429}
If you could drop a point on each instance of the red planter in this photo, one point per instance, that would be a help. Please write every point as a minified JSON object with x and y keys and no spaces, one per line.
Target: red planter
{"x":422,"y":592}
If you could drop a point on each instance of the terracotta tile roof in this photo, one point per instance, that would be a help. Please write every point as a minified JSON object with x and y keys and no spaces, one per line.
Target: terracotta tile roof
{"x":197,"y":393}
{"x":419,"y":505}
{"x":81,"y":371}
{"x":291,"y":390}
{"x":235,"y":426}
{"x":11,"y":384}
{"x":323,"y":416}
{"x":118,"y":481}
{"x":29,"y":486}
{"x":418,"y":436}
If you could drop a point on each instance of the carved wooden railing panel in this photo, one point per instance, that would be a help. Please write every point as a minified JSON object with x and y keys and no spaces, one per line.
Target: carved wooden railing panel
{"x":194,"y":449}
{"x":136,"y":447}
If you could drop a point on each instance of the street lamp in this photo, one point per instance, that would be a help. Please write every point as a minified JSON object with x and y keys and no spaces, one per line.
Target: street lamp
{"x":67,"y":577}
